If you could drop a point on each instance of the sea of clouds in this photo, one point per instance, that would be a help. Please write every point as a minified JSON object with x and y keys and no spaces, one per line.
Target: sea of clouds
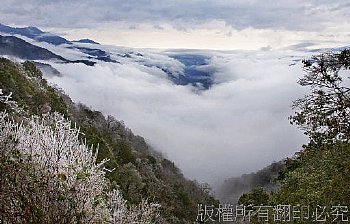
{"x":239,"y":125}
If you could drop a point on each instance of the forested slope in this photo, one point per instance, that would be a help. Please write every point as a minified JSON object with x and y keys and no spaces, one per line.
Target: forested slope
{"x":318,"y":177}
{"x":135,"y":168}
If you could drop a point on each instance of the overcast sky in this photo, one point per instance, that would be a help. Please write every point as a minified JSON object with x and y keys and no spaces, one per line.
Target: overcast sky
{"x":203,"y":24}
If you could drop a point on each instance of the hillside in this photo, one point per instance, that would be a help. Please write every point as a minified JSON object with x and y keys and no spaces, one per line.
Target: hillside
{"x":317,"y":178}
{"x":319,"y":175}
{"x":138,"y":170}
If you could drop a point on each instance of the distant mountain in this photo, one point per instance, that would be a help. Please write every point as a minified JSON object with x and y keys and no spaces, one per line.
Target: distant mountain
{"x":47,"y":69}
{"x":35,"y":34}
{"x":13,"y":46}
{"x":193,"y":74}
{"x":10,"y":45}
{"x":195,"y":70}
{"x":232,"y":188}
{"x":40,"y":36}
{"x":95,"y":54}
{"x":85,"y":41}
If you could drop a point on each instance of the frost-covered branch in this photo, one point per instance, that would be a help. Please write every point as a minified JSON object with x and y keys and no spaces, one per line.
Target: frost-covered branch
{"x":48,"y":175}
{"x":6,"y":99}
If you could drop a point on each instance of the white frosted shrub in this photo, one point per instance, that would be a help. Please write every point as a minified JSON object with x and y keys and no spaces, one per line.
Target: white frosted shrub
{"x":48,"y":175}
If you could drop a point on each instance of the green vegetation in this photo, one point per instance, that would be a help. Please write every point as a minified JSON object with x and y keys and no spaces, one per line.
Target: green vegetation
{"x":27,"y":90}
{"x":257,"y":196}
{"x":322,"y":177}
{"x":320,"y":173}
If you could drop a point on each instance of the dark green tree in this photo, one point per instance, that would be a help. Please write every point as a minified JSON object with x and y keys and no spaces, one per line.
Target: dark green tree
{"x":324,"y":114}
{"x":257,"y":196}
{"x":320,"y":174}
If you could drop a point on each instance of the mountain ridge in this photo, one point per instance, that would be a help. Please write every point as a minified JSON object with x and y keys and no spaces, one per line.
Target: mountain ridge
{"x":35,"y":33}
{"x":14,"y":46}
{"x":86,"y":41}
{"x":194,"y":72}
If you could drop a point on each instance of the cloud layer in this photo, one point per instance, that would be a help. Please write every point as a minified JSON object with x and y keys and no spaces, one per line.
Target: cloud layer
{"x":237,"y":126}
{"x":240,"y":14}
{"x":196,"y":24}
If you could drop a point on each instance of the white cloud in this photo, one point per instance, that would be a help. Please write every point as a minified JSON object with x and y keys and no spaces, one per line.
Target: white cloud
{"x":237,"y":126}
